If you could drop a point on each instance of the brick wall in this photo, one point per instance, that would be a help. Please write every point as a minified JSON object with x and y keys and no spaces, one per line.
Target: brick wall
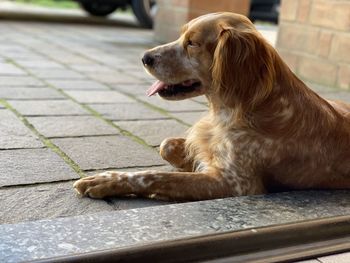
{"x":172,"y":14}
{"x":314,"y":40}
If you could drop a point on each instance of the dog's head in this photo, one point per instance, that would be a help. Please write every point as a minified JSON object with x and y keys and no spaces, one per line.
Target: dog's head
{"x":220,"y":55}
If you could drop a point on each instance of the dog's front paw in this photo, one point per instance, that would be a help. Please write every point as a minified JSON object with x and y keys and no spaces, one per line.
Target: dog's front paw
{"x":98,"y":186}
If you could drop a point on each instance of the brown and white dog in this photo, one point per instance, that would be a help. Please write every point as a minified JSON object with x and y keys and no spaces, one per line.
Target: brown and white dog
{"x":265,"y":129}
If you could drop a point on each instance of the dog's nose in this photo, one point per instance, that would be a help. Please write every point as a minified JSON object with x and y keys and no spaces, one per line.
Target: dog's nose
{"x":148,"y":60}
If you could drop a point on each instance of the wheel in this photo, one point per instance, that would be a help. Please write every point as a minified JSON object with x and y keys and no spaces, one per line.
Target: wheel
{"x":144,"y":11}
{"x":98,"y":8}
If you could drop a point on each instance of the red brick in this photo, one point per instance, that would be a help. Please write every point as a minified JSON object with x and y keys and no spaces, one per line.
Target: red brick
{"x":182,"y":3}
{"x":343,"y":80}
{"x":297,"y":37}
{"x":207,"y":6}
{"x":303,"y":10}
{"x":174,"y":13}
{"x":324,"y":43}
{"x":289,"y":10}
{"x":318,"y":71}
{"x":164,"y":33}
{"x":331,"y":14}
{"x":305,"y":39}
{"x":341,"y":47}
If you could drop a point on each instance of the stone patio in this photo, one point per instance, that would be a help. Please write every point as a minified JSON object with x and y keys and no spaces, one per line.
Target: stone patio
{"x":72,"y":103}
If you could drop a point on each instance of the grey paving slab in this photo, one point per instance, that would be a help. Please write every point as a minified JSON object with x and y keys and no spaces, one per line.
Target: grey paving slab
{"x":14,"y":134}
{"x":29,"y":93}
{"x":137,"y":227}
{"x":340,"y":95}
{"x":114,"y":78}
{"x":155,"y":131}
{"x":48,"y":74}
{"x":69,"y":59}
{"x":201,"y":99}
{"x":29,"y":166}
{"x":43,"y":201}
{"x":107,"y":96}
{"x":47,"y":107}
{"x":68,"y":126}
{"x":88,"y":68}
{"x":141,"y":74}
{"x":319,"y":88}
{"x":102,"y":152}
{"x":308,"y":261}
{"x":6,"y":81}
{"x":174,"y":106}
{"x":338,"y":258}
{"x":10,"y":69}
{"x":132,"y":203}
{"x":78,"y":85}
{"x":189,"y":117}
{"x":45,"y":64}
{"x":138,"y":89}
{"x":22,"y":54}
{"x":127,"y":111}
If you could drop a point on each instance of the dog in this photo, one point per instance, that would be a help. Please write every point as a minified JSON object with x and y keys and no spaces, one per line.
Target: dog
{"x":265,"y":130}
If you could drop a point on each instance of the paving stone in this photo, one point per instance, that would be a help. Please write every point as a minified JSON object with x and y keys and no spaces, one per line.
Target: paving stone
{"x":127,"y":111}
{"x":29,"y":166}
{"x":308,"y":261}
{"x":102,"y":152}
{"x":139,"y":89}
{"x":338,"y":258}
{"x":107,"y":96}
{"x":92,"y":68}
{"x":10,"y":69}
{"x":69,"y":126}
{"x":155,"y":131}
{"x":6,"y":81}
{"x":47,"y":107}
{"x":14,"y":134}
{"x":132,"y":203}
{"x":78,"y":85}
{"x":29,"y":203}
{"x":319,"y":88}
{"x":56,"y":73}
{"x":45,"y":64}
{"x":340,"y":95}
{"x":115,"y":78}
{"x":201,"y":99}
{"x":174,"y":106}
{"x":71,"y":59}
{"x":29,"y":93}
{"x":189,"y":117}
{"x":142,"y":74}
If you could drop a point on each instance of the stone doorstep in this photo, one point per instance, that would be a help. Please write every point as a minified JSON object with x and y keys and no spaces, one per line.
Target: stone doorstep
{"x":65,"y":237}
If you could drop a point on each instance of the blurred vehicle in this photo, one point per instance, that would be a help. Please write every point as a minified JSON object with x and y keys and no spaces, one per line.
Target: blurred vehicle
{"x":144,"y":10}
{"x":265,"y":10}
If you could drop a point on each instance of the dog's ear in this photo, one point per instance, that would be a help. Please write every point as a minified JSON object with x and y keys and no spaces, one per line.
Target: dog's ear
{"x":243,"y":72}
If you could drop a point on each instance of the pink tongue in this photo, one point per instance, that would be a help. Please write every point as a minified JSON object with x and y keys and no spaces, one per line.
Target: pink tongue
{"x":156,"y":87}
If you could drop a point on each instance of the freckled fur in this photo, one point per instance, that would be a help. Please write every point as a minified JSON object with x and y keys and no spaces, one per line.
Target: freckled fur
{"x":265,"y":130}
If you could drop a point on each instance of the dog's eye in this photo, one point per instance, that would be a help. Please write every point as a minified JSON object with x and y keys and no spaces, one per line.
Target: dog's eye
{"x":191,"y":44}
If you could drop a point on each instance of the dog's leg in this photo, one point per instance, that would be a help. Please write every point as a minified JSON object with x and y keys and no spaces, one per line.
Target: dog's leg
{"x":173,"y":151}
{"x":158,"y":185}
